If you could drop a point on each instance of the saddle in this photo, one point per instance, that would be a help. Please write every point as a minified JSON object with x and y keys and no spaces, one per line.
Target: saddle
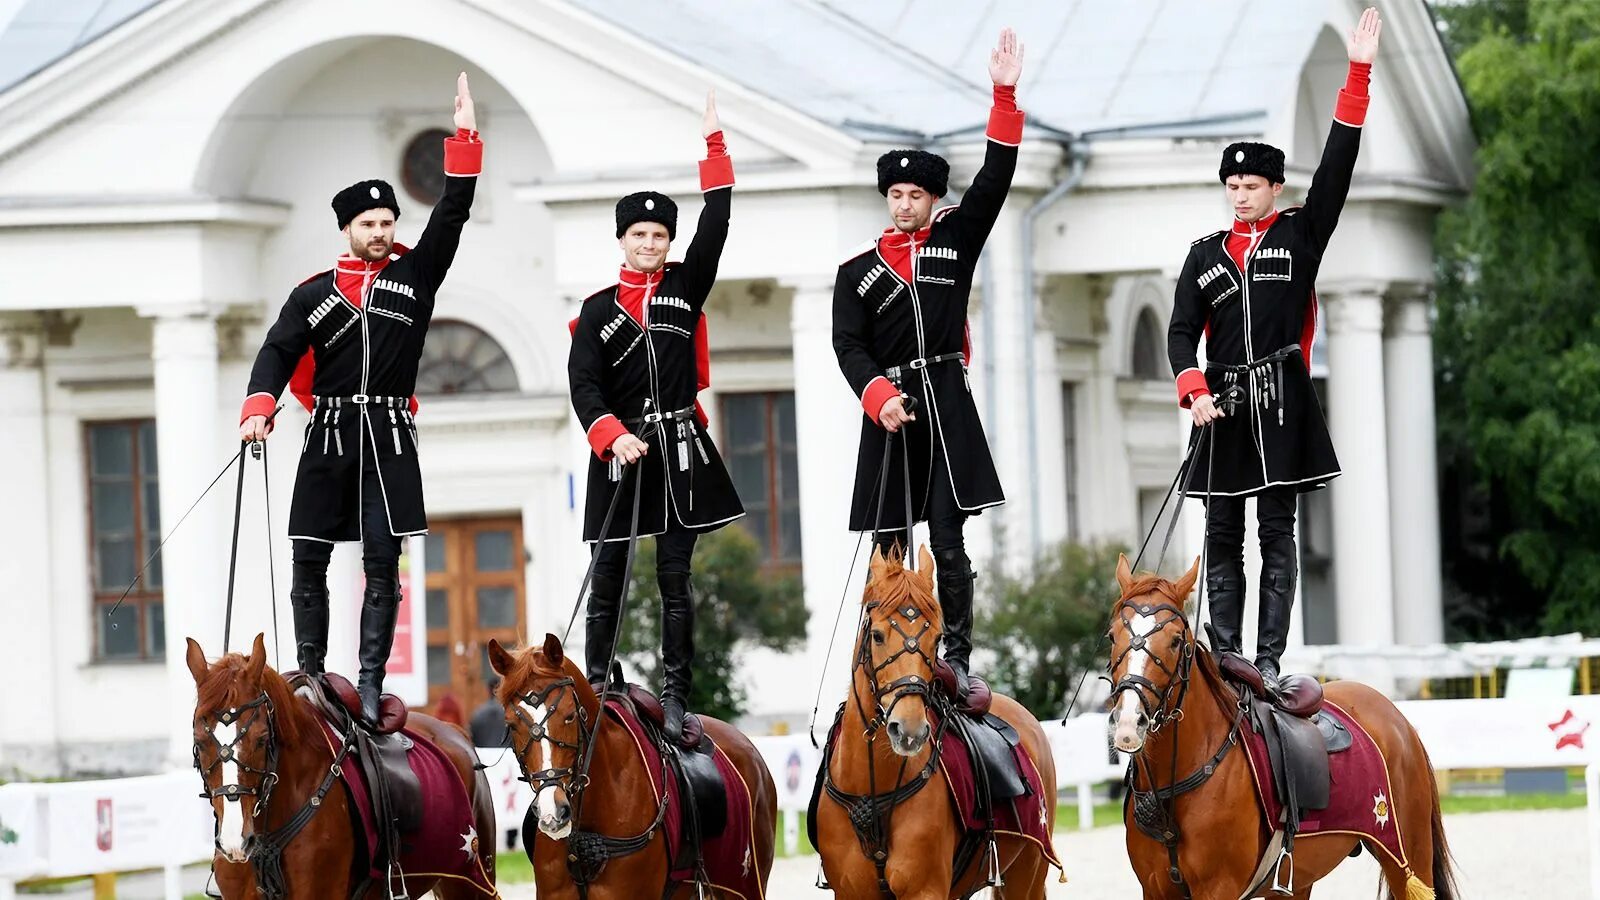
{"x":978,"y":699}
{"x":692,"y":764}
{"x":395,"y":789}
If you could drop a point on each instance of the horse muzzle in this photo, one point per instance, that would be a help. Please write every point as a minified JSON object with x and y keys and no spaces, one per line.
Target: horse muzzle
{"x":908,"y":741}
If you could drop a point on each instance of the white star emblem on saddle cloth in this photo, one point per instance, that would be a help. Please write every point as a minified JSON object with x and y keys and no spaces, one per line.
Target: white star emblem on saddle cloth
{"x":1380,"y":809}
{"x":469,"y":842}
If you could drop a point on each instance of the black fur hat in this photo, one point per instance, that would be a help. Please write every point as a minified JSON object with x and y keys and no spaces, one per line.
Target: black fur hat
{"x":362,"y":196}
{"x":647,"y":206}
{"x":1252,"y":158}
{"x":919,"y":167}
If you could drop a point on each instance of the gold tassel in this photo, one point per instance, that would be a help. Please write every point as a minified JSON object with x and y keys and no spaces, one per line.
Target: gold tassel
{"x":1415,"y":889}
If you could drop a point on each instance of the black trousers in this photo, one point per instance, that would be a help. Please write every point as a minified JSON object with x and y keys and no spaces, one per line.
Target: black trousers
{"x":1275,"y":512}
{"x":674,"y":551}
{"x":946,"y":519}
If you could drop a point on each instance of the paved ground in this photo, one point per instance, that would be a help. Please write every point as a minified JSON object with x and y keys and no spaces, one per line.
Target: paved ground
{"x":1499,"y":856}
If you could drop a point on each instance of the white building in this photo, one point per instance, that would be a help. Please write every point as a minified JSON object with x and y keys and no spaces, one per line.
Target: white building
{"x":165,"y":170}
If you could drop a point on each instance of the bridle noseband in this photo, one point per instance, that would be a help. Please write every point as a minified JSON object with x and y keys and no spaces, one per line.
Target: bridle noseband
{"x":245,"y":716}
{"x":1157,"y":703}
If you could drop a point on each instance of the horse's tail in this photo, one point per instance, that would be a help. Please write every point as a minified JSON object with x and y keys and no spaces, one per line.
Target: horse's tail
{"x":1444,"y":875}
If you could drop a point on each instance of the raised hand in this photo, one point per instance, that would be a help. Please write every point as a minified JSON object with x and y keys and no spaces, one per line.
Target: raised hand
{"x":1005,"y":60}
{"x":1363,"y":43}
{"x":466,"y":113}
{"x":709,"y":125}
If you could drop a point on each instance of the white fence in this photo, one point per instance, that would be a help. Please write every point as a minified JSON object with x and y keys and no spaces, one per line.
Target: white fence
{"x":84,"y":828}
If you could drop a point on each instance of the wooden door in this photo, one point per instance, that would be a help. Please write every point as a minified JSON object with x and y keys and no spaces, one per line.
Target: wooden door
{"x":475,"y":592}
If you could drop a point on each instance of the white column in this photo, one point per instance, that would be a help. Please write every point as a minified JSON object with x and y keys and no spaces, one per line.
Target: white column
{"x":1413,"y":469}
{"x":1010,"y":426}
{"x":26,"y":717}
{"x":827,"y":425}
{"x":1356,"y":417}
{"x":190,"y":444}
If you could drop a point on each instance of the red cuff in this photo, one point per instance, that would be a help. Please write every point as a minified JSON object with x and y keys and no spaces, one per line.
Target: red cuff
{"x":1191,"y":384}
{"x":716,"y":172}
{"x":463,"y":154}
{"x":715,"y":145}
{"x":1005,"y":97}
{"x":1005,"y":127}
{"x":259,"y":404}
{"x":879,"y":391}
{"x":413,"y":405}
{"x":1353,"y":99}
{"x":603,"y":433}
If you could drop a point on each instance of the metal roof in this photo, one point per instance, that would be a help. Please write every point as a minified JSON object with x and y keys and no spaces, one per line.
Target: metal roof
{"x":894,"y":68}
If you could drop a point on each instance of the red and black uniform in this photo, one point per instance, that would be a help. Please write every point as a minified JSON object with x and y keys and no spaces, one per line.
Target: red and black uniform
{"x":348,"y":342}
{"x":639,"y":357}
{"x":1251,"y":290}
{"x":900,"y":325}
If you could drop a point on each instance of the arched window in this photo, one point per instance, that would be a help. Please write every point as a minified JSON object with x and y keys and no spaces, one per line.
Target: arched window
{"x":463,"y":359}
{"x":1149,"y":358}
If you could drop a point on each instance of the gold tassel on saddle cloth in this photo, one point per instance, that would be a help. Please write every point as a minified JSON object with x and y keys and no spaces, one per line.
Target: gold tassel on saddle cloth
{"x":1415,"y":889}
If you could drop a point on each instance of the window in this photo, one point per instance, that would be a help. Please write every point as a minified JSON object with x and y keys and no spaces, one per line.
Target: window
{"x":422,"y":166}
{"x":759,"y":443}
{"x":1149,"y":358}
{"x":463,"y":359}
{"x":124,"y":529}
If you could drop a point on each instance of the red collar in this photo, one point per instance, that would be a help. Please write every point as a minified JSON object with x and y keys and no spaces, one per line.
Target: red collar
{"x":635,"y":279}
{"x":895,"y":239}
{"x":1251,"y":229}
{"x":349,"y":265}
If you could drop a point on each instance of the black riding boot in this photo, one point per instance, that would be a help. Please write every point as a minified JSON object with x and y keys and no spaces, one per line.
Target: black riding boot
{"x":955,"y":577}
{"x":677,"y":648}
{"x":308,"y":597}
{"x":379,"y":609}
{"x":1278,"y":570}
{"x":1225,"y":594}
{"x":600,"y":625}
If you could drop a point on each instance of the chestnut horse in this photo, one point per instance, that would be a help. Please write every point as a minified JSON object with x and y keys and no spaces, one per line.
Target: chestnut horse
{"x":552,"y":713}
{"x":1174,"y":710}
{"x":886,"y":747}
{"x":264,"y":759}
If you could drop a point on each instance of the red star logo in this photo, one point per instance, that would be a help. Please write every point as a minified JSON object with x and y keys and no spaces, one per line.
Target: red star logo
{"x":1569,"y":731}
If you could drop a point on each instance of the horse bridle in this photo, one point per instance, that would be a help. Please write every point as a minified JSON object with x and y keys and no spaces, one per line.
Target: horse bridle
{"x":900,"y":688}
{"x":246,"y":716}
{"x":1156,"y":703}
{"x":567,"y":777}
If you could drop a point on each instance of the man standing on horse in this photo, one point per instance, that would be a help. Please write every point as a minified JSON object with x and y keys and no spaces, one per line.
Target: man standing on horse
{"x":1251,"y":289}
{"x":639,"y":356}
{"x":900,"y":332}
{"x":348,"y":342}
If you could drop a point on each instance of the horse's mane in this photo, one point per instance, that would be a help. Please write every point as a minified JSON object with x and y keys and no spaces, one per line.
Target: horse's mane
{"x":900,"y":584}
{"x":1151,"y":583}
{"x":223,"y":689}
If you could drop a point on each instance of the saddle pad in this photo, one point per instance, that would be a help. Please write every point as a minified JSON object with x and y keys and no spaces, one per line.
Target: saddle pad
{"x":446,"y":843}
{"x":730,"y":857}
{"x":1024,"y":816}
{"x":1361,"y":801}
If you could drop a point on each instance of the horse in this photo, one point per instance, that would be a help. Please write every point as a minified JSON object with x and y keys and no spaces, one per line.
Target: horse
{"x":888,"y":756}
{"x":285,"y":822}
{"x":1176,"y":715}
{"x":553,"y":718}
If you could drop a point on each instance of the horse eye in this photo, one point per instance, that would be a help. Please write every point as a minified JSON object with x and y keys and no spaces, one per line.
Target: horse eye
{"x":877,"y":637}
{"x":568,"y":718}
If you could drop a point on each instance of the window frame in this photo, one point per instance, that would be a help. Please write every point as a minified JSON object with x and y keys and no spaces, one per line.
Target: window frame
{"x":771,"y":561}
{"x":142,"y":597}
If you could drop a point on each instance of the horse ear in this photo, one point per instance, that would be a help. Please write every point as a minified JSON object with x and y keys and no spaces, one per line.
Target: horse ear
{"x":876,"y":563}
{"x":925,"y":564}
{"x":500,"y":659}
{"x":258,"y":657}
{"x":1185,"y":586}
{"x":1124,"y":573}
{"x":197,"y":661}
{"x":552,"y":649}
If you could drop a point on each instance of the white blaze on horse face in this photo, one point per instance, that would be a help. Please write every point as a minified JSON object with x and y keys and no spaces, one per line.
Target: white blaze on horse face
{"x":545,"y":800}
{"x":1126,"y":732}
{"x":230,"y":834}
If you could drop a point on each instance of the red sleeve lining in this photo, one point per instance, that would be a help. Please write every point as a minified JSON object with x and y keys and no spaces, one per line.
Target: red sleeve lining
{"x":878,"y":392}
{"x":603,"y":433}
{"x":1191,"y":384}
{"x":716,"y":172}
{"x":463,"y":154}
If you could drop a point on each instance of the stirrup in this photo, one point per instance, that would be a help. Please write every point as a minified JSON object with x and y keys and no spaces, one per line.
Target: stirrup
{"x":1283,"y":885}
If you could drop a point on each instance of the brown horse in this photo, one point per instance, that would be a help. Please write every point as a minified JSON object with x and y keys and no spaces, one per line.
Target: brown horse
{"x":266,"y":763}
{"x":1175,"y":711}
{"x":886,"y":747}
{"x":552,"y":713}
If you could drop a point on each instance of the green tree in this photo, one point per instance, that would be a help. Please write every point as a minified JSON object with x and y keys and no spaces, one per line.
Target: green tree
{"x":1045,"y":625}
{"x":737,"y":605}
{"x":1518,"y":335}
